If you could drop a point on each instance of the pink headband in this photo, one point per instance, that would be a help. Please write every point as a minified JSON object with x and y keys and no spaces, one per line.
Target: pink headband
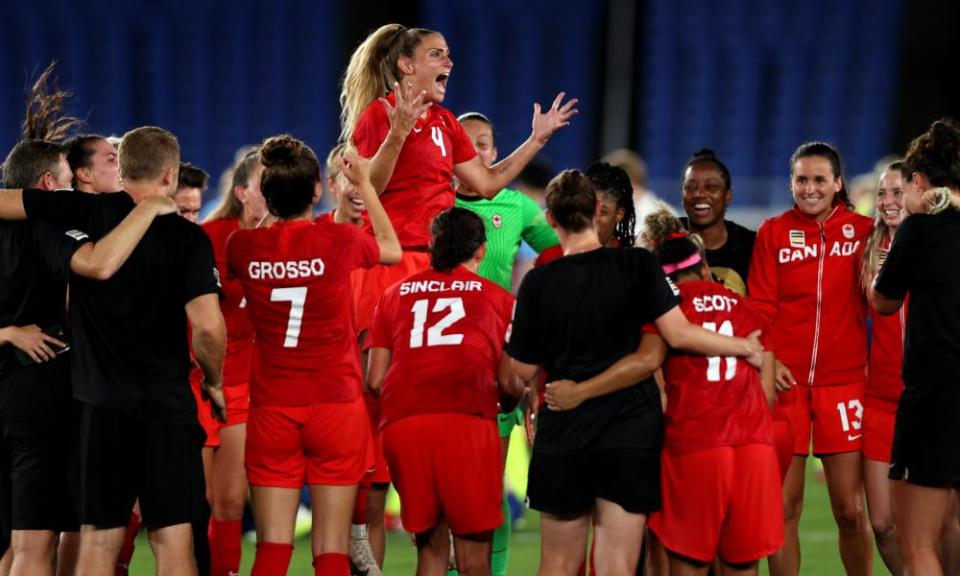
{"x":688,"y":262}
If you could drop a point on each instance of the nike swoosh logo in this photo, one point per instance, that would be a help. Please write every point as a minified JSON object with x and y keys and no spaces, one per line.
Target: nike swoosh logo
{"x":417,"y":130}
{"x":853,"y":437}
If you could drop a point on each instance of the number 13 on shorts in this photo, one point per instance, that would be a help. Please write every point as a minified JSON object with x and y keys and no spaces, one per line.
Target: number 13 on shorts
{"x":851,"y":415}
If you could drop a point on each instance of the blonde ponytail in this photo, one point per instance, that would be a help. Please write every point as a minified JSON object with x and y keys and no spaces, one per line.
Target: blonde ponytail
{"x":373,"y":71}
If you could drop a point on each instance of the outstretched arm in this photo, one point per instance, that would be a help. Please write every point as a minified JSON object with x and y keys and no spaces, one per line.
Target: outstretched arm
{"x":681,"y":334}
{"x":632,"y":368}
{"x":102,"y":259}
{"x":488,"y":181}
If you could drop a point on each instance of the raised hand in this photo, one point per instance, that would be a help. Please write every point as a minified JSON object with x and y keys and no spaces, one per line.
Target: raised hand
{"x":355,"y":167}
{"x":403,"y":116}
{"x":558,"y":116}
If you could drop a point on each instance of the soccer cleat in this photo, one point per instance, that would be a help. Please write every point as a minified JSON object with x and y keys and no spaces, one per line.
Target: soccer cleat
{"x":362,"y":562}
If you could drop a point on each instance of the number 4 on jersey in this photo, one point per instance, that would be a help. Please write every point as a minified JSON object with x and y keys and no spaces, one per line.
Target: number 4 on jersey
{"x":435,"y":335}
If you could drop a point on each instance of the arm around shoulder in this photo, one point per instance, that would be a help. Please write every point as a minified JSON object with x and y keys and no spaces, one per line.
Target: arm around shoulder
{"x":102,"y":259}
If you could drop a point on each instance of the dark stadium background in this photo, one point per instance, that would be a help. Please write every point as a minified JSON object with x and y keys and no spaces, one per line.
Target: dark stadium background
{"x":749,"y":78}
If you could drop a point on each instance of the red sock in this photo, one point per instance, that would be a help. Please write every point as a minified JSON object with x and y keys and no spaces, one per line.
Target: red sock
{"x":272,"y":559}
{"x":331,"y":565}
{"x":225,"y":547}
{"x":126,"y":552}
{"x":360,"y":505}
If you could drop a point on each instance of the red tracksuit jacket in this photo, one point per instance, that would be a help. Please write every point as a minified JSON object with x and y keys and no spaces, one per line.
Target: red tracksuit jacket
{"x":805,"y":281}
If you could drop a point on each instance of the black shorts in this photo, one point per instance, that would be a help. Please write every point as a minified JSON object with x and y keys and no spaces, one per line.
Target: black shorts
{"x":123,"y":459}
{"x":567,"y":484}
{"x":926,"y":438}
{"x":37,"y":459}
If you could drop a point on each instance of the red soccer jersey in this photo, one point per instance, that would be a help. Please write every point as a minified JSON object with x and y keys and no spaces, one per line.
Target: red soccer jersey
{"x":296,"y":278}
{"x":884,"y":372}
{"x":236,"y":363}
{"x":421,"y":185}
{"x":445,"y":331}
{"x":805,"y":283}
{"x":714,"y":401}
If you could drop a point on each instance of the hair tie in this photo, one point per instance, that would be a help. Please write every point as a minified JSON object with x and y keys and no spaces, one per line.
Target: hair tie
{"x":687,"y":262}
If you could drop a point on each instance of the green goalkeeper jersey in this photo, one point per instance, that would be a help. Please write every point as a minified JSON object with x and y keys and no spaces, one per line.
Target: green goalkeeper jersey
{"x":509,"y":217}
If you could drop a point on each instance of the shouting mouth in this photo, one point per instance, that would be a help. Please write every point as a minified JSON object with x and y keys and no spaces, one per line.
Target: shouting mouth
{"x":442,"y":82}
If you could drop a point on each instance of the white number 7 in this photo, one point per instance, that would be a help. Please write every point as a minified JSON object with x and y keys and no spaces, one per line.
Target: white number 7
{"x":296,"y":297}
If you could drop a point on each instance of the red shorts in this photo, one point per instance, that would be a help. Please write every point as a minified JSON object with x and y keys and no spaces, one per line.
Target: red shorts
{"x":210,"y":425}
{"x":381,"y":472}
{"x":446,"y":466}
{"x":238,"y":404}
{"x":878,"y":434}
{"x":326,"y":444}
{"x":783,"y":441}
{"x":834,"y":414}
{"x":724,"y":502}
{"x":369,"y":285}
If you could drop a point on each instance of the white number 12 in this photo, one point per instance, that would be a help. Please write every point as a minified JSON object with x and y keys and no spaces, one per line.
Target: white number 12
{"x":435,"y":335}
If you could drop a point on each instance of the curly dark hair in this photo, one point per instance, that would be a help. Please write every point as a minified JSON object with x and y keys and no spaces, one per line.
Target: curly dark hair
{"x":614,"y":182}
{"x":936,"y":153}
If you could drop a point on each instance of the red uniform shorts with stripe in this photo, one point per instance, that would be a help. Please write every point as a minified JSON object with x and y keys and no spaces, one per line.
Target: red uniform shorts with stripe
{"x":722,"y":502}
{"x":446,"y":466}
{"x":878,"y":425}
{"x":834,"y":415}
{"x":210,"y":425}
{"x":369,"y":285}
{"x":381,"y":471}
{"x":318,"y":444}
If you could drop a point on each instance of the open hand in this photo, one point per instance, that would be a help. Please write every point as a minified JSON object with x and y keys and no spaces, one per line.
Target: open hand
{"x":403,"y":116}
{"x":545,"y":124}
{"x":32,"y":340}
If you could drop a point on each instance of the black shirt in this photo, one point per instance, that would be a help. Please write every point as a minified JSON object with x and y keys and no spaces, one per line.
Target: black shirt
{"x":130,"y":352}
{"x":924,"y":261}
{"x":34,"y":269}
{"x":576,"y":317}
{"x":730,"y":263}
